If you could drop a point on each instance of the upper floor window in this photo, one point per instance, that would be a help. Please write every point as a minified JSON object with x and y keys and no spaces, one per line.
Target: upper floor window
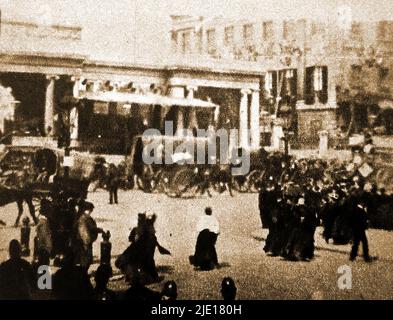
{"x":385,"y":30}
{"x":248,"y":33}
{"x":314,"y":28}
{"x":285,"y":30}
{"x":186,"y":42}
{"x":211,"y":42}
{"x":267,"y":29}
{"x":229,"y":36}
{"x":356,"y":29}
{"x":199,"y":42}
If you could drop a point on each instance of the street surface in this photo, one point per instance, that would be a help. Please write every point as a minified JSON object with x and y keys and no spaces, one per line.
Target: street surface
{"x":239,"y":248}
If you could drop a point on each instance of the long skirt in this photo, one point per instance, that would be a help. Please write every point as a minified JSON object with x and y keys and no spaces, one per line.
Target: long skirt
{"x":205,"y":256}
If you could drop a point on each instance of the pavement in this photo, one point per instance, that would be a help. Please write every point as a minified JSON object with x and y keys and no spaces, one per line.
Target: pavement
{"x":239,"y":248}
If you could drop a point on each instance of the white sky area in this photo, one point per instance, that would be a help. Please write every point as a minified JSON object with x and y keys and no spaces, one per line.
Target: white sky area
{"x":111,"y":27}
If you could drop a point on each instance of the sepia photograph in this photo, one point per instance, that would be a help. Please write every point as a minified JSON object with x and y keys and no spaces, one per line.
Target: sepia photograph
{"x":190,"y":150}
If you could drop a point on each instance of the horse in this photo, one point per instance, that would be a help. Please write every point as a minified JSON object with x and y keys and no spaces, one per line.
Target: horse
{"x":10,"y":195}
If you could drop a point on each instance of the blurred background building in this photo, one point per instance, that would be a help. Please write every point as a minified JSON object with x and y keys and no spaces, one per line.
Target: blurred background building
{"x":315,"y":75}
{"x":273,"y":72}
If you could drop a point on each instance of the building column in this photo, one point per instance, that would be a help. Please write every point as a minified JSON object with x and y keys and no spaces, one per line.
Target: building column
{"x":255,"y":112}
{"x":243,"y":117}
{"x":50,"y":104}
{"x":74,"y":113}
{"x":190,"y":91}
{"x":174,"y":42}
{"x":178,"y":91}
{"x":74,"y":125}
{"x":193,"y":123}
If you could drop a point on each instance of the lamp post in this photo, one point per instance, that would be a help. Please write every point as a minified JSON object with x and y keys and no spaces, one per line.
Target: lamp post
{"x":64,"y":136}
{"x":288,"y":134}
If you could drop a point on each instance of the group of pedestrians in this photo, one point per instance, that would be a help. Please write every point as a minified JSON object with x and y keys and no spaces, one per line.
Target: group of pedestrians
{"x":293,"y":208}
{"x":66,"y":227}
{"x":290,"y":222}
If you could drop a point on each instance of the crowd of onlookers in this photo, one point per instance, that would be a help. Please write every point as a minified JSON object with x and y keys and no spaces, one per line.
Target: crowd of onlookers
{"x":20,"y":280}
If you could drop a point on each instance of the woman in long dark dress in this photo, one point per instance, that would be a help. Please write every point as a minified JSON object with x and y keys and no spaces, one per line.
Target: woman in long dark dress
{"x":139,"y":256}
{"x":205,"y":256}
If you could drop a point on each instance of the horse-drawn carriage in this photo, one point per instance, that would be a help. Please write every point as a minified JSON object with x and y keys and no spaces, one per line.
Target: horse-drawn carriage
{"x":29,"y":174}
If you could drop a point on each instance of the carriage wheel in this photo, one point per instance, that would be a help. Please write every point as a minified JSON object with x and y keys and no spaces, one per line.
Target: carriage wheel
{"x":183,"y":181}
{"x":254,"y":179}
{"x":158,"y":185}
{"x":240,"y":184}
{"x":219,"y":186}
{"x":167,"y":179}
{"x":146,"y":181}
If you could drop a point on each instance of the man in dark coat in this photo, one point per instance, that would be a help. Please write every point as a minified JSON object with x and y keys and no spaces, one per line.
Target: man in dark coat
{"x":267,"y":201}
{"x":359,"y":224}
{"x":72,"y":282}
{"x":113,"y":183}
{"x":16,"y":276}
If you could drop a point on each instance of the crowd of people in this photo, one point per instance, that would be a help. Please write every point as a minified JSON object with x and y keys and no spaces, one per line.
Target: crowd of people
{"x":296,"y":196}
{"x":20,"y":280}
{"x":66,"y":232}
{"x":65,"y":224}
{"x":308,"y":195}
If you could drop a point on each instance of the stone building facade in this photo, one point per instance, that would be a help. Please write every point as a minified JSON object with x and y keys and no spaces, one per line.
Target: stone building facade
{"x":298,"y":75}
{"x":43,"y":67}
{"x":305,"y":66}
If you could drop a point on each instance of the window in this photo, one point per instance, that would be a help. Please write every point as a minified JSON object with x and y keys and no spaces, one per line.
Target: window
{"x":285,"y":30}
{"x":186,"y":45}
{"x":248,"y":33}
{"x":211,"y":42}
{"x":291,"y":82}
{"x":383,"y":73}
{"x":385,"y":30}
{"x":356,"y":30}
{"x":229,"y":36}
{"x":314,"y":28}
{"x":381,"y":33}
{"x":316,"y":81}
{"x":356,"y":76}
{"x":267,"y":28}
{"x":199,"y":42}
